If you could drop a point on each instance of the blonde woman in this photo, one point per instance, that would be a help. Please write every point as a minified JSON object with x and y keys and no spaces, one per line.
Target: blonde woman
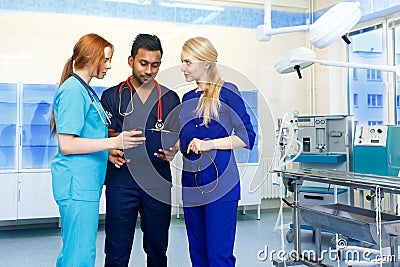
{"x":214,"y":122}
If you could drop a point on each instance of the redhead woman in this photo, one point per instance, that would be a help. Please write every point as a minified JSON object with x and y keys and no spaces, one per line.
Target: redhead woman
{"x":78,"y":169}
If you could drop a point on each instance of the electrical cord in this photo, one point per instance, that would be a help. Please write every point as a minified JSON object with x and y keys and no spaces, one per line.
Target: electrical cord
{"x":379,"y":221}
{"x":282,"y":160}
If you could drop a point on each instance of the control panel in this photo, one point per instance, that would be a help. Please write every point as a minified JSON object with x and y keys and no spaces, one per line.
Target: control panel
{"x":324,"y":134}
{"x":371,"y":135}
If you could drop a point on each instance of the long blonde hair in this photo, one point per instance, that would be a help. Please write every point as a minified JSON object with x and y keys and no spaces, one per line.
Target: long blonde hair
{"x":88,"y":50}
{"x":209,"y":103}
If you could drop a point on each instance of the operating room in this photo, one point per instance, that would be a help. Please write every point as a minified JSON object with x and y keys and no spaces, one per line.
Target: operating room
{"x":319,"y":82}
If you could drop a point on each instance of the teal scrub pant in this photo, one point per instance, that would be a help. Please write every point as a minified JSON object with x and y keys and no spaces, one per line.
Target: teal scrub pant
{"x":79,"y":225}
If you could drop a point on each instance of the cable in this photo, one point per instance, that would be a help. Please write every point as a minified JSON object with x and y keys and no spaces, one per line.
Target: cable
{"x":379,"y":221}
{"x":280,"y":163}
{"x":269,"y":171}
{"x":282,"y":160}
{"x":281,"y":219}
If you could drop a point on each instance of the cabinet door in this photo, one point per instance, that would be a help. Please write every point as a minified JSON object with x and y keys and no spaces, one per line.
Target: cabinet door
{"x":249,"y":179}
{"x":102,"y":209}
{"x":38,"y":145}
{"x":36,"y":196}
{"x":8,"y":126}
{"x":244,"y":155}
{"x":8,"y":196}
{"x":176,"y":172}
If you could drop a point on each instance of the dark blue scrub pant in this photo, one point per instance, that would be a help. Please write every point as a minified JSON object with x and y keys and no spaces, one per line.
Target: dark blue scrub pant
{"x":122,"y":208}
{"x":211,"y":230}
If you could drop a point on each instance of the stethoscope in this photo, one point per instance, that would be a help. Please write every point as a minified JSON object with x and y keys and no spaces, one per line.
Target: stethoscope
{"x":93,"y":97}
{"x":159,"y":124}
{"x":198,"y":187}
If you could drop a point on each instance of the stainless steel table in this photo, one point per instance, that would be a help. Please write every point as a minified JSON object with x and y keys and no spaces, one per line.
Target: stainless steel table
{"x":354,"y":222}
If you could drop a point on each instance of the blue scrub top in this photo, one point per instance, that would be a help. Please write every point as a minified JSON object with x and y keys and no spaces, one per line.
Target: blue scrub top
{"x":144,"y":171}
{"x":79,"y":176}
{"x":233,"y":119}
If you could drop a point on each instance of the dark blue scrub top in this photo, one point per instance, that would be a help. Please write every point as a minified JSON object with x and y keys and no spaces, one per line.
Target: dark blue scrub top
{"x":233,"y":119}
{"x":144,"y":171}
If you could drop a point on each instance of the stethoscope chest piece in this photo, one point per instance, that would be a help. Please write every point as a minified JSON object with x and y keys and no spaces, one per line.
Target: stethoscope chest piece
{"x":159,"y":125}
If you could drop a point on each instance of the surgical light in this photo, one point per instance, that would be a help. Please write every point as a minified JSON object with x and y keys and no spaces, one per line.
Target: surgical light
{"x":302,"y":57}
{"x":330,"y":27}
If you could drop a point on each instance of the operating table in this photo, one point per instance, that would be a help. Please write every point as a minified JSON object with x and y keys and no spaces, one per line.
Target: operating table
{"x":353,"y":222}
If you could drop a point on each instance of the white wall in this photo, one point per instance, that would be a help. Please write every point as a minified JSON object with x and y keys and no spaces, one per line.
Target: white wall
{"x":331,"y":82}
{"x":35,"y":46}
{"x":320,"y":4}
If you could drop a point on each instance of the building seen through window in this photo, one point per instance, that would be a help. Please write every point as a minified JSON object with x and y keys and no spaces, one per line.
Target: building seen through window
{"x":374,"y":100}
{"x":396,"y":32}
{"x":366,"y":86}
{"x":355,"y":100}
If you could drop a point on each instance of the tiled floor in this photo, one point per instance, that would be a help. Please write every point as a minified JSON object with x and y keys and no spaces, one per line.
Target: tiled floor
{"x":39,"y":247}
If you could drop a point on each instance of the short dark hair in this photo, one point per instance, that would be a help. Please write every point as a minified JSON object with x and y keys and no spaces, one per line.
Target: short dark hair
{"x":146,"y":41}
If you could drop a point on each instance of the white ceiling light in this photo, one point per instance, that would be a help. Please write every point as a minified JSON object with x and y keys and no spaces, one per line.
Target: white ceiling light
{"x":300,"y":58}
{"x":330,"y":27}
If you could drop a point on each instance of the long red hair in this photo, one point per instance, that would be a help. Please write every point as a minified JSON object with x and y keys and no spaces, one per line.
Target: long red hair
{"x":88,"y":51}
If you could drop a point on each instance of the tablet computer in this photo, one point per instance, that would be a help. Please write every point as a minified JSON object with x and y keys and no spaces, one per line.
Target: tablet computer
{"x":156,"y":139}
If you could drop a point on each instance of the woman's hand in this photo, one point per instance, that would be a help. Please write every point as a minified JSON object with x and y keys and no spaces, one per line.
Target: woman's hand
{"x":197,"y":145}
{"x":167,"y":155}
{"x":115,"y":156}
{"x":129,"y":139}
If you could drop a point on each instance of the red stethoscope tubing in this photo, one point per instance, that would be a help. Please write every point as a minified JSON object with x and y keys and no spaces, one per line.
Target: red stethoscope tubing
{"x":159,"y":105}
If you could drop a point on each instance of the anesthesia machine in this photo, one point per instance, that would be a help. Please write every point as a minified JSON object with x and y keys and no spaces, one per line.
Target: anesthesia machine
{"x":326,"y":144}
{"x":325,"y":141}
{"x":377,"y":150}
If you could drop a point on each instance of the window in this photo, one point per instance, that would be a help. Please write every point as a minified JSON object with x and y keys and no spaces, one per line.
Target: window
{"x":374,"y":75}
{"x":355,"y":100}
{"x":370,"y":123}
{"x":396,"y":56}
{"x":375,"y":100}
{"x":355,"y":74}
{"x":367,"y":99}
{"x":398,"y":101}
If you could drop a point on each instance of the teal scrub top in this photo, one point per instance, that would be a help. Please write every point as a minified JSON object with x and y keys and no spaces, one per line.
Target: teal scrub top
{"x":78,"y":176}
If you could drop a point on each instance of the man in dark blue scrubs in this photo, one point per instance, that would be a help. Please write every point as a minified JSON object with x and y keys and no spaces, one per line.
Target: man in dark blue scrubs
{"x":142,"y":185}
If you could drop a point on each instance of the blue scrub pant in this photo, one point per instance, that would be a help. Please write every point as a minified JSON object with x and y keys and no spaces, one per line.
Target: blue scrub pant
{"x":122,"y":208}
{"x":79,"y":225}
{"x":211,"y":230}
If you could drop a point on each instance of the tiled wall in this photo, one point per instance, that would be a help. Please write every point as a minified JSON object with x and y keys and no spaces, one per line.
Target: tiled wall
{"x":370,"y":9}
{"x":161,"y":10}
{"x":182,"y":12}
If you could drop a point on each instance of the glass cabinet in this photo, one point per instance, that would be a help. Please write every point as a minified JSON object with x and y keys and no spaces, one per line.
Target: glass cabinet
{"x":26,"y":141}
{"x":244,"y":155}
{"x":26,"y":150}
{"x":38,"y":144}
{"x":8,"y":126}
